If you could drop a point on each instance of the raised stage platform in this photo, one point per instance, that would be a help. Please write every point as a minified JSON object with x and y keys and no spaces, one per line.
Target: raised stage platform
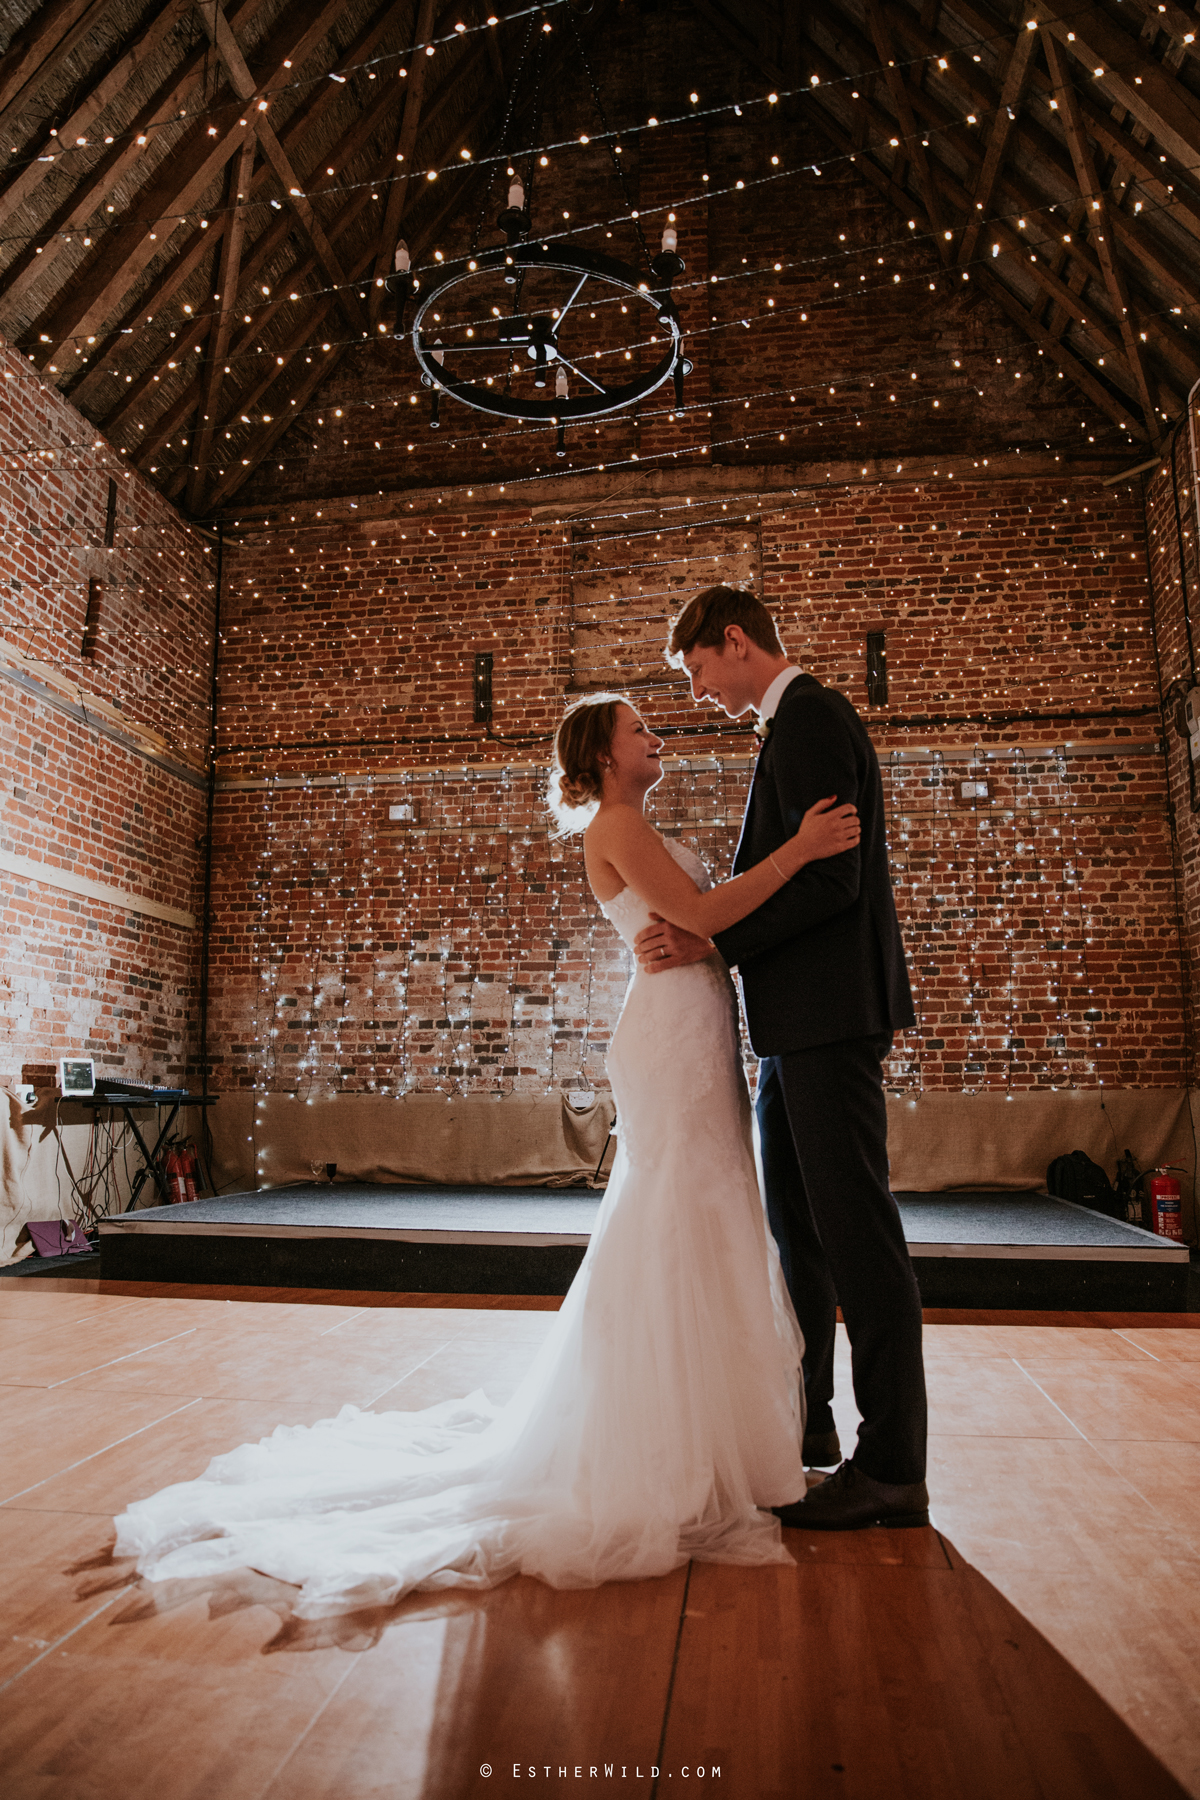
{"x":1024,"y":1251}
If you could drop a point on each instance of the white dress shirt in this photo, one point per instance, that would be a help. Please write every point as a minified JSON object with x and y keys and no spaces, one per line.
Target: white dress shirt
{"x":769,"y":703}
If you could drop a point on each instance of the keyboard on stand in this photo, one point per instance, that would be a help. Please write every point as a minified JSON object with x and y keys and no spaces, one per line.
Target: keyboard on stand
{"x":131,"y":1093}
{"x":124,"y":1097}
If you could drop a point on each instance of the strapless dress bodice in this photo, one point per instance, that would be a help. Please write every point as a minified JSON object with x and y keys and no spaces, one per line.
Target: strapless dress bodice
{"x":628,"y":913}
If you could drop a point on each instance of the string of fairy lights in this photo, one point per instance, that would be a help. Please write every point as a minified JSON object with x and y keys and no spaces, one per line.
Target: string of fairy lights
{"x":464,"y":956}
{"x":197,"y":322}
{"x":952,"y":60}
{"x":388,"y":967}
{"x":771,"y":314}
{"x":913,"y":557}
{"x":743,"y":439}
{"x":632,"y":130}
{"x":334,"y":891}
{"x":447,"y":1051}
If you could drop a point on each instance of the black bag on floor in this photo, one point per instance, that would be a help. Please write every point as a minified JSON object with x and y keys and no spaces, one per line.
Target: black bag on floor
{"x":1076,"y":1177}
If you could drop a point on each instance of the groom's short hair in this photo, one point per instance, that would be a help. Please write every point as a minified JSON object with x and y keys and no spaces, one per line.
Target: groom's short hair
{"x":703,"y":620}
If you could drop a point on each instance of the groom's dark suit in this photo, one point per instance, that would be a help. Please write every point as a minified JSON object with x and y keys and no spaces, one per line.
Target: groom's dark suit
{"x":825,"y":986}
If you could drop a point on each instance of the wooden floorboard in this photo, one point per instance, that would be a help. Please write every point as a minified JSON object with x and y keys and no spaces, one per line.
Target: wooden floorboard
{"x":899,"y":1676}
{"x":1044,"y":1640}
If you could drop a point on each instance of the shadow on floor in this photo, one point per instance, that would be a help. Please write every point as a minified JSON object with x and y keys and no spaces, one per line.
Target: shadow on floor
{"x":879,"y":1663}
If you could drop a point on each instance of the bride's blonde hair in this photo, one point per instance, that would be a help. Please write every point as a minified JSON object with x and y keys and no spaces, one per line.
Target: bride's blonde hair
{"x":581,"y":743}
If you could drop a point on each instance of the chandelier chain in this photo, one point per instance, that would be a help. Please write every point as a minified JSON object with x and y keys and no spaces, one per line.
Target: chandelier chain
{"x":505,"y":129}
{"x":608,"y":137}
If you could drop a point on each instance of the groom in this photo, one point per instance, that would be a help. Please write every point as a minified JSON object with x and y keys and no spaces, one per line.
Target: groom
{"x":825,"y":986}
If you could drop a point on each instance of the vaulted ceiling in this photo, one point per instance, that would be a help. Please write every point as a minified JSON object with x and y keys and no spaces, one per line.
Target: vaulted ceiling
{"x":1053,"y":150}
{"x":201,"y":198}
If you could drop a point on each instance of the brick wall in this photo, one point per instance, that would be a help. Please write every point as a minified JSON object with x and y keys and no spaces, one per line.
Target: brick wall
{"x":458,"y":949}
{"x":104,"y":721}
{"x":828,"y":341}
{"x":1174,"y":573}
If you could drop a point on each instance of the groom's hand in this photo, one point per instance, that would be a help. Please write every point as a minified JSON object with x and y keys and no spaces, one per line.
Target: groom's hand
{"x":664,"y":946}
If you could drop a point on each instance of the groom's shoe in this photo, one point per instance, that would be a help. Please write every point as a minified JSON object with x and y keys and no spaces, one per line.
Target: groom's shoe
{"x":848,"y":1500}
{"x":821,"y":1450}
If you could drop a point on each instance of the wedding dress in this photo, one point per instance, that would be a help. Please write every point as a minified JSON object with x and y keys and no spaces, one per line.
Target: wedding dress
{"x":661,"y":1413}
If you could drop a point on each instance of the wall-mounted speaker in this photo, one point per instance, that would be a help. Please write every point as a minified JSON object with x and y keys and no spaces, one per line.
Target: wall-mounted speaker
{"x":483,"y":688}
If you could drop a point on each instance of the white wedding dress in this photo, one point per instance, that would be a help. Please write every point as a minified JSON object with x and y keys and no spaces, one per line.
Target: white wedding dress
{"x":662,"y":1412}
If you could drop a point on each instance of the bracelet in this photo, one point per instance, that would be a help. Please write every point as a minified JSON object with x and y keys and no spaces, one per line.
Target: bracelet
{"x":775,"y":865}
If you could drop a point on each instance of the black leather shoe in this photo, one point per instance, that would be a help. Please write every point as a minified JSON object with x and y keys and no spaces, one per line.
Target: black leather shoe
{"x":848,"y":1500}
{"x":821,"y":1450}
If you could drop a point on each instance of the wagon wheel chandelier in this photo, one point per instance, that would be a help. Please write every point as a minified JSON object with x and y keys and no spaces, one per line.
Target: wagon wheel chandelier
{"x":537,"y":329}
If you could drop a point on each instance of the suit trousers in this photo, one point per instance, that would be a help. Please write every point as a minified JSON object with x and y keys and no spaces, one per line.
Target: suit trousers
{"x":823,"y":1125}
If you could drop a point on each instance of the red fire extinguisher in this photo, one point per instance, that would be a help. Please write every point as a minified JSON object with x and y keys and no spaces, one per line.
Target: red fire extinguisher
{"x":175,"y":1170}
{"x":1166,"y":1213}
{"x":180,"y":1170}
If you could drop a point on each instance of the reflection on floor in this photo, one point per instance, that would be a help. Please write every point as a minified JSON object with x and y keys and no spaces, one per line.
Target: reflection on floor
{"x":1044,"y":1639}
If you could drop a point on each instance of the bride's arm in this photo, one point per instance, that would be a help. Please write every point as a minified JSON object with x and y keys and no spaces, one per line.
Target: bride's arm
{"x":622,"y":838}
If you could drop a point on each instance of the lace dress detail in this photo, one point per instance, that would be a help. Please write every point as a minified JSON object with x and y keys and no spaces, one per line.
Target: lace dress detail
{"x":661,"y":1413}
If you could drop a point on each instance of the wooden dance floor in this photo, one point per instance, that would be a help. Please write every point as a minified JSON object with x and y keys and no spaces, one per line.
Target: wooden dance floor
{"x":1042,"y":1639}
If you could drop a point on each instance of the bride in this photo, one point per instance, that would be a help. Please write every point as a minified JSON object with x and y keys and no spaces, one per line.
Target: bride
{"x":663,"y":1412}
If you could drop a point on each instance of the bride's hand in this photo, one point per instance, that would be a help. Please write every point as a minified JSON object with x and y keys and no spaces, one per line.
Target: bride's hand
{"x":824,"y":832}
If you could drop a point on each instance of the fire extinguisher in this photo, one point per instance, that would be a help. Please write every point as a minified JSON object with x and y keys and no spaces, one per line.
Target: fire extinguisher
{"x":175,"y":1170}
{"x":1166,"y":1213}
{"x":191,"y":1164}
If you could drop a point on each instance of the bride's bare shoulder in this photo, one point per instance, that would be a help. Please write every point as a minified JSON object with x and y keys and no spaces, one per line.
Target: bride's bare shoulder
{"x":615,"y":824}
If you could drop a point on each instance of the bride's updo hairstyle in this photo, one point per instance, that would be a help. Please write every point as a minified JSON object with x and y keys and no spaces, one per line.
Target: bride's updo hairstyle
{"x":577,"y":772}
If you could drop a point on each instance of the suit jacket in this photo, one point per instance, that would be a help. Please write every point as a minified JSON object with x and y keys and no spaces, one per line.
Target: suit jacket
{"x":823,"y":959}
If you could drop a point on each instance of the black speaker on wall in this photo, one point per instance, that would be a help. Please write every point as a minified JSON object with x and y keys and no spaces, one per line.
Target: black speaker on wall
{"x":483,"y":688}
{"x":877,"y":691}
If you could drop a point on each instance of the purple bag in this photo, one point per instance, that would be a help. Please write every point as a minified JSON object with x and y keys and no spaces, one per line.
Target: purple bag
{"x":57,"y":1237}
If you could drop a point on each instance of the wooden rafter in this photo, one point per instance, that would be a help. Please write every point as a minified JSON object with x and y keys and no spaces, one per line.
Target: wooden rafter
{"x":1011,"y":96}
{"x":227,"y":48}
{"x":1138,"y":164}
{"x":1164,"y":106}
{"x":284,"y":416}
{"x":1054,"y":347}
{"x":37,"y":52}
{"x":294,"y":137}
{"x":189,"y":398}
{"x":1084,"y":379}
{"x":176,"y":187}
{"x":1014,"y":188}
{"x":912,"y":143}
{"x":1098,"y":111}
{"x":1170,"y":17}
{"x":1076,"y":371}
{"x":264,"y":250}
{"x":1008,"y":240}
{"x":1101,"y":233}
{"x":1032,"y":259}
{"x":121,"y":71}
{"x":229,"y":270}
{"x":85,"y":307}
{"x":1076,"y":270}
{"x":79,"y":207}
